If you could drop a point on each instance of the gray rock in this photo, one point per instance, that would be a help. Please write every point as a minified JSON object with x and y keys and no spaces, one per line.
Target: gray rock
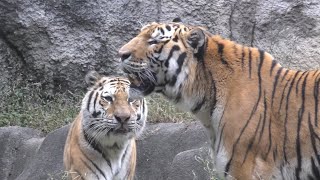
{"x":54,"y":43}
{"x":194,"y":164}
{"x":160,"y":143}
{"x":48,"y":160}
{"x":18,"y":146}
{"x":157,"y":149}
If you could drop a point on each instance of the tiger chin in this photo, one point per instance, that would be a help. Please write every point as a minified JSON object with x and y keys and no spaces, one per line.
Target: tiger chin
{"x":263,"y":119}
{"x":101,"y":140}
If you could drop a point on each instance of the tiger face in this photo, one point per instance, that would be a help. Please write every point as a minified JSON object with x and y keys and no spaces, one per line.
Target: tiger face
{"x":109,"y":111}
{"x":160,"y":57}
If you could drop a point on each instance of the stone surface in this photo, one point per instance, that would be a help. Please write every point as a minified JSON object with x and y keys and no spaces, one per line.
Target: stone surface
{"x":54,"y":43}
{"x":17,"y":148}
{"x":47,"y":162}
{"x":194,"y":164}
{"x":25,"y":155}
{"x":162,"y":142}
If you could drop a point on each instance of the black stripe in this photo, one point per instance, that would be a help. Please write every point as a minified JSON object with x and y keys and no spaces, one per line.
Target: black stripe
{"x":242,"y":58}
{"x":95,"y":101}
{"x":221,"y":134}
{"x":201,"y":51}
{"x":143,"y":106}
{"x":175,"y":39}
{"x":251,"y":141}
{"x":300,"y":117}
{"x":91,"y":142}
{"x":220,"y":51}
{"x":213,"y":90}
{"x":275,"y":154}
{"x":259,"y":77}
{"x":250,"y":62}
{"x":285,"y":74}
{"x":315,"y":169}
{"x":179,"y":95}
{"x":286,"y":116}
{"x":96,"y":146}
{"x":297,"y":90}
{"x":161,"y":30}
{"x":274,"y":63}
{"x":283,"y":95}
{"x":252,"y":112}
{"x":168,"y":27}
{"x":316,"y":98}
{"x":125,"y":153}
{"x":89,"y":167}
{"x":159,"y":51}
{"x":264,"y":116}
{"x":180,"y":61}
{"x":199,"y":105}
{"x":270,"y":140}
{"x":107,"y":160}
{"x":174,"y":48}
{"x":227,"y":168}
{"x":313,"y":140}
{"x":275,"y":84}
{"x":281,"y":170}
{"x":89,"y":100}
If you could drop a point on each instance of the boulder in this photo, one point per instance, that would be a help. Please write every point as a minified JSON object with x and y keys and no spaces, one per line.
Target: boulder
{"x":160,"y":144}
{"x":194,"y":164}
{"x":162,"y":148}
{"x":54,"y":43}
{"x":18,"y":148}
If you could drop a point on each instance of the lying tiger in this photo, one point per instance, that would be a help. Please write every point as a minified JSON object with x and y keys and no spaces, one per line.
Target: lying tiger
{"x":263,"y":119}
{"x":101,"y":140}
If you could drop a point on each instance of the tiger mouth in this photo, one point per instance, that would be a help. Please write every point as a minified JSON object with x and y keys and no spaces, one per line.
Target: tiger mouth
{"x":140,"y":83}
{"x":121,"y":130}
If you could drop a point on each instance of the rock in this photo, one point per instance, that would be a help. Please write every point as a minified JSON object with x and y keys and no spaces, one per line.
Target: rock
{"x":160,"y":144}
{"x":54,"y":43}
{"x":157,"y":147}
{"x":18,"y":146}
{"x":59,"y":41}
{"x":48,"y":160}
{"x":194,"y":164}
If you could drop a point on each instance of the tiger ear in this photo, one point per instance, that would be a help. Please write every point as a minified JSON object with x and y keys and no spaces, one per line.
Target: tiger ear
{"x":92,"y":77}
{"x":197,"y":40}
{"x":177,"y":20}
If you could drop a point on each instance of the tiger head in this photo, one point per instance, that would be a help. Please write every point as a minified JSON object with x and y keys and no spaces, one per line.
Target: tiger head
{"x":161,"y":56}
{"x":109,"y":111}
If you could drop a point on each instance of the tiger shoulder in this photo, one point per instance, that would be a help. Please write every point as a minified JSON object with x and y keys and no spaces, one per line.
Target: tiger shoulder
{"x":262,"y":118}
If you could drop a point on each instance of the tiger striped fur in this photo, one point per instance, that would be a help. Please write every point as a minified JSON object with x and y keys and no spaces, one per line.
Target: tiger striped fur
{"x":101,"y":140}
{"x":263,"y":119}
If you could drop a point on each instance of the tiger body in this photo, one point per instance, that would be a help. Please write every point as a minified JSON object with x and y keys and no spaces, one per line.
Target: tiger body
{"x":262,"y":118}
{"x":101,"y":140}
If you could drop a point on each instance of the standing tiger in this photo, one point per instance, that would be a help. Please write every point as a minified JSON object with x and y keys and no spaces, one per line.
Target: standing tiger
{"x":263,"y":119}
{"x":101,"y":140}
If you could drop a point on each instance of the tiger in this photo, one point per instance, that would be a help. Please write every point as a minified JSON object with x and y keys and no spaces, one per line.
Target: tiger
{"x":101,"y":140}
{"x":262,"y":118}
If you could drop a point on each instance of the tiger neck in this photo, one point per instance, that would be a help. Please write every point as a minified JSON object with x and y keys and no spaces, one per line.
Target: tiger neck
{"x":110,"y":148}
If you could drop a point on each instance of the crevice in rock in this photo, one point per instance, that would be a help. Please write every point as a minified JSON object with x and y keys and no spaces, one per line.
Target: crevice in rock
{"x":252,"y":33}
{"x":158,"y":10}
{"x":13,"y":47}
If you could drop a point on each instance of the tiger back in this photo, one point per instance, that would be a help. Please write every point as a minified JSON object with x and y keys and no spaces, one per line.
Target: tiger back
{"x":262,"y":118}
{"x":101,"y":140}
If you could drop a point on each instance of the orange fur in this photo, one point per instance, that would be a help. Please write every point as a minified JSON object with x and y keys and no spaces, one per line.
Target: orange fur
{"x":99,"y":157}
{"x":262,"y":118}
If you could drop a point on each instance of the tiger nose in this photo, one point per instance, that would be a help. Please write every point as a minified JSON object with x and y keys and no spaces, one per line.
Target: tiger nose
{"x":124,"y":54}
{"x":122,"y":117}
